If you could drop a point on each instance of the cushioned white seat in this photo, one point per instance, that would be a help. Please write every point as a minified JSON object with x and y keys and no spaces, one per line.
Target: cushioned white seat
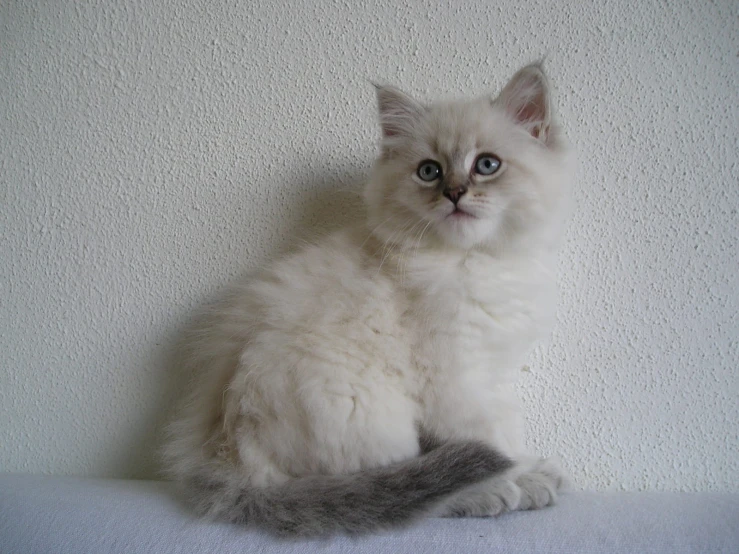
{"x":69,"y":515}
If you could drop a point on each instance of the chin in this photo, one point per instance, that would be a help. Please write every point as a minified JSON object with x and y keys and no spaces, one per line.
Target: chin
{"x":466,"y":232}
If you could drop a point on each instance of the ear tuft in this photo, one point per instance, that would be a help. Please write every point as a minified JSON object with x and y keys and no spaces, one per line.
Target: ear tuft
{"x":398,"y":111}
{"x":526,"y":99}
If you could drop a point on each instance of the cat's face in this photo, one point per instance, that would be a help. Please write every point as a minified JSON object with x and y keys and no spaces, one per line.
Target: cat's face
{"x":470,"y":173}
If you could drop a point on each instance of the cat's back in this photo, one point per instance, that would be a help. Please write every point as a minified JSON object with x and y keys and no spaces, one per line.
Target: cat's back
{"x":316,"y":289}
{"x":325,"y":283}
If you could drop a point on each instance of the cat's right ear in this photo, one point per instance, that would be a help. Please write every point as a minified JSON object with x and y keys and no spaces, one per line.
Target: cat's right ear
{"x":398,"y":112}
{"x":526,"y":99}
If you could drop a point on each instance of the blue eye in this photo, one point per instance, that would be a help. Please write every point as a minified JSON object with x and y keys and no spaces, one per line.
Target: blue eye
{"x":429,"y":170}
{"x":486,"y":164}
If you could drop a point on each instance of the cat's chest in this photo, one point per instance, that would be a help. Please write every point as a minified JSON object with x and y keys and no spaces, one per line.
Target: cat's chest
{"x":478,"y":313}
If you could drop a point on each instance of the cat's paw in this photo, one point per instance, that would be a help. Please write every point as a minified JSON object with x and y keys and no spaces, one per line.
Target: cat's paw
{"x":490,"y":499}
{"x":537,"y":491}
{"x":539,"y":486}
{"x":552,"y":468}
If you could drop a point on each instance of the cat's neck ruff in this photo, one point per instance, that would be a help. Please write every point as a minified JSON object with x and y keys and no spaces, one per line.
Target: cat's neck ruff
{"x":400,"y":254}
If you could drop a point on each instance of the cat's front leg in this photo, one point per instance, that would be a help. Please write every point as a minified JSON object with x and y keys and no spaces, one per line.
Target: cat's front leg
{"x":491,"y":415}
{"x":531,"y":485}
{"x":487,"y":499}
{"x":539,"y":483}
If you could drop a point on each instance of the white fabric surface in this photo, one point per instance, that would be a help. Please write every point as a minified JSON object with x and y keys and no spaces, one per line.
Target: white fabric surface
{"x":76,"y":516}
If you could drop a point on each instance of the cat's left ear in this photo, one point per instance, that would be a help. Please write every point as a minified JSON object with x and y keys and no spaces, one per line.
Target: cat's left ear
{"x":526,"y":99}
{"x":398,"y":112}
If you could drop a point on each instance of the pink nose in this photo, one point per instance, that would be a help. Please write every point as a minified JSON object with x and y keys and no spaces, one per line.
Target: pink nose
{"x":455,"y":194}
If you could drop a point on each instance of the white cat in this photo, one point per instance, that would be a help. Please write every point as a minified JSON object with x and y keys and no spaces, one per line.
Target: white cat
{"x":367,"y":380}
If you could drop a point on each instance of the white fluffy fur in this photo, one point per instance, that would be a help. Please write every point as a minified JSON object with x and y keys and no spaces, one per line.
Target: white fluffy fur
{"x":331,"y":360}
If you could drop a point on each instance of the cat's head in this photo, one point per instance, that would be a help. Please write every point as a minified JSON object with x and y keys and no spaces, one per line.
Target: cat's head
{"x":475,"y":173}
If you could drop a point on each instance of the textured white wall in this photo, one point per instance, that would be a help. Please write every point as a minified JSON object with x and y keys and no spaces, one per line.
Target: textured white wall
{"x":152,"y":151}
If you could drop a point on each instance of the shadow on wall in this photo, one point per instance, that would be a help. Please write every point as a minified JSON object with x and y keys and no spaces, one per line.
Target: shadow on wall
{"x":323,"y":207}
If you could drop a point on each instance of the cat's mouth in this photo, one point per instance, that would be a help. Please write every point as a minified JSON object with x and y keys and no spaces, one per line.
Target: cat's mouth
{"x":459,"y":213}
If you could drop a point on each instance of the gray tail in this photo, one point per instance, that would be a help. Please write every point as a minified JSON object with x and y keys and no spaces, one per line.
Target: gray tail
{"x":361,"y":502}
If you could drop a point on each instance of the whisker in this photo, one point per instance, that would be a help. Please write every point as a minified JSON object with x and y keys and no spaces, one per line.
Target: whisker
{"x":418,"y":244}
{"x":405,"y":258}
{"x":390,"y":238}
{"x":372,"y":232}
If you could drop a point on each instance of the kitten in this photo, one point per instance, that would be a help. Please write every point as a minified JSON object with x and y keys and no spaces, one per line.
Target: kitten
{"x":367,"y":380}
